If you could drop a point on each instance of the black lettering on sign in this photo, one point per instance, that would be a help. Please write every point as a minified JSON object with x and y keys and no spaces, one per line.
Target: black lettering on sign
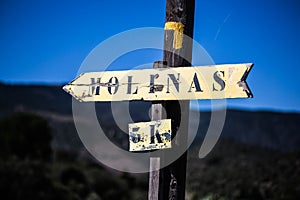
{"x":174,"y":80}
{"x":129,"y":86}
{"x":152,"y":77}
{"x":152,"y":141}
{"x":95,"y":86}
{"x":195,"y":84}
{"x":219,"y":80}
{"x":113,"y":83}
{"x":135,"y":138}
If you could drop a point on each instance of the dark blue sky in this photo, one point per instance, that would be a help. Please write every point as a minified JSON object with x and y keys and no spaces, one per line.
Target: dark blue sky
{"x":46,"y":41}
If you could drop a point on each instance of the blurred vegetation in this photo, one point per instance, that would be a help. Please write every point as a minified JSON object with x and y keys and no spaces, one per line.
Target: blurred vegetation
{"x":233,"y":171}
{"x":25,"y":136}
{"x":31,"y":169}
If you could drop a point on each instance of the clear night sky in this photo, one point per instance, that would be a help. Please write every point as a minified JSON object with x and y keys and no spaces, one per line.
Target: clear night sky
{"x":46,"y":41}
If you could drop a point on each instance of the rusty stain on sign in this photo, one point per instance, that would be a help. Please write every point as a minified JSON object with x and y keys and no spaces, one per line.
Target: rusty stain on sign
{"x":180,"y":83}
{"x":151,"y":135}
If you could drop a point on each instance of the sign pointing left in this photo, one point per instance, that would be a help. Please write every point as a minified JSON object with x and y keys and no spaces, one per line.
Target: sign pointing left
{"x":181,"y":83}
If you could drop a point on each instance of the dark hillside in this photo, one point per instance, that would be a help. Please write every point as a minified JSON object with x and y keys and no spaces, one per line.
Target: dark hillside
{"x":267,"y":129}
{"x":257,"y":156}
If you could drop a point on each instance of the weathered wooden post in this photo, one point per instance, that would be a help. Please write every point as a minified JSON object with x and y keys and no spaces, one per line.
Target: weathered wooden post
{"x":177,"y":53}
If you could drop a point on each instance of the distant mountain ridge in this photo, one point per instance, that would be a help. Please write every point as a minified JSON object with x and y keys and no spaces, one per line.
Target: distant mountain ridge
{"x":266,"y":129}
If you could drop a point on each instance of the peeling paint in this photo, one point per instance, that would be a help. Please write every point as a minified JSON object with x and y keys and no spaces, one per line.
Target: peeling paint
{"x":151,"y":135}
{"x":180,"y":83}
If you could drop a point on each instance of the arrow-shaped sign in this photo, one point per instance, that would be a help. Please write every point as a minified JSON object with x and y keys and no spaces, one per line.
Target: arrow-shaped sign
{"x":180,"y":83}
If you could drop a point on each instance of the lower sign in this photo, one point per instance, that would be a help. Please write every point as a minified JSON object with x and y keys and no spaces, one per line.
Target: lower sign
{"x":152,"y":135}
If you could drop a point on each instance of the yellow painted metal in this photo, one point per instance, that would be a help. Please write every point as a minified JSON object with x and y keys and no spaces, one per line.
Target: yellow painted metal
{"x":181,"y":83}
{"x":140,"y":135}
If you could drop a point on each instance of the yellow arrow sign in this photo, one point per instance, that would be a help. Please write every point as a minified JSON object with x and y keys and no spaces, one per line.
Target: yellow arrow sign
{"x":180,"y":83}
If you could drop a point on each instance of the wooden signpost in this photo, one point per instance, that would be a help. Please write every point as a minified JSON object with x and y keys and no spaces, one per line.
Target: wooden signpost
{"x":170,"y":86}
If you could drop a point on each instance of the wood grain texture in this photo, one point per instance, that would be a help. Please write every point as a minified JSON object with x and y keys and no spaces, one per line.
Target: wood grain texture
{"x":154,"y":180}
{"x":177,"y":11}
